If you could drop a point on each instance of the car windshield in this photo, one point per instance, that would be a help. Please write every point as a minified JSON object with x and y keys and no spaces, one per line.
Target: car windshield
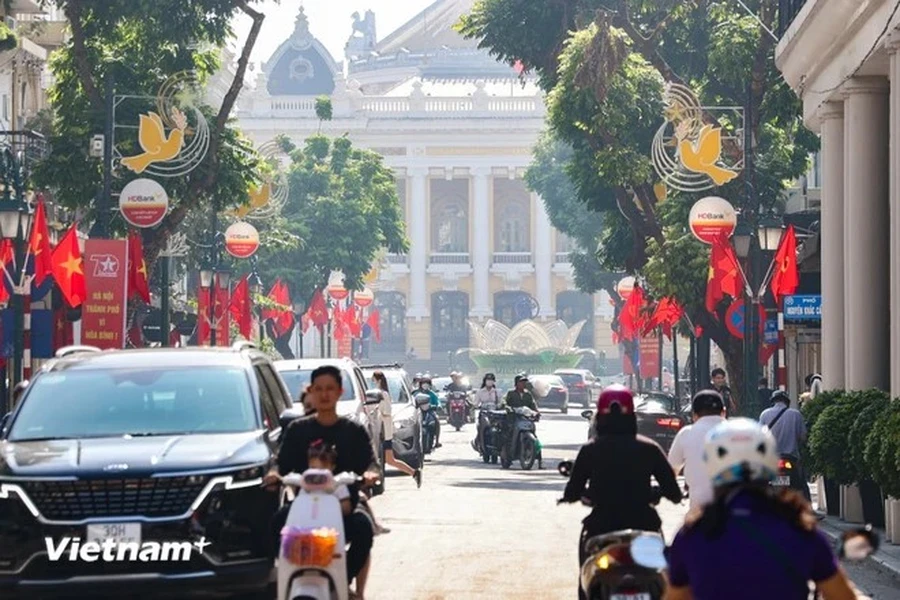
{"x":146,"y":402}
{"x":547,"y":379}
{"x":297,"y":379}
{"x":395,"y":385}
{"x":655,"y":404}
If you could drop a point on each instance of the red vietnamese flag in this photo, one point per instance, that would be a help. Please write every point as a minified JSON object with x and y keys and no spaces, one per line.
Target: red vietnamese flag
{"x":8,"y":264}
{"x":137,"y":268}
{"x":723,"y":273}
{"x":223,"y":323}
{"x":63,"y":334}
{"x":204,"y":319}
{"x":666,"y":315}
{"x":631,"y":320}
{"x":786,"y":278}
{"x":284,"y":317}
{"x":240,"y":307}
{"x":374,"y":323}
{"x":317,"y":314}
{"x":68,"y":268}
{"x":353,"y":322}
{"x":39,"y":245}
{"x":337,"y":322}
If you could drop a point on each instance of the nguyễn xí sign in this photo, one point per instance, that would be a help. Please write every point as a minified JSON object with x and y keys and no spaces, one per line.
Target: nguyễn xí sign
{"x":803,"y":308}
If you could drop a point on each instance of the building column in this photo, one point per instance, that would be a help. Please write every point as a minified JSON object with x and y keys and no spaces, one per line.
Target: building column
{"x":418,"y":251}
{"x":894,"y":186}
{"x":543,"y":257}
{"x":481,"y":244}
{"x":867,"y":215}
{"x":831,"y":243}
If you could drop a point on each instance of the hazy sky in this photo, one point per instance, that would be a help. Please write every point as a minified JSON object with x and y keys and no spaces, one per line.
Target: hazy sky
{"x":329,"y":20}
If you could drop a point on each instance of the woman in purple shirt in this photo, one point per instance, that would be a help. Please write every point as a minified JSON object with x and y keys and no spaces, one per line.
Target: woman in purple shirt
{"x":753,"y":541}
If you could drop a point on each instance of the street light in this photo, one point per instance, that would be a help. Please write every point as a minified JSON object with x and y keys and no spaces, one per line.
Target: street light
{"x":742,"y":237}
{"x":770,"y":230}
{"x":15,"y":222}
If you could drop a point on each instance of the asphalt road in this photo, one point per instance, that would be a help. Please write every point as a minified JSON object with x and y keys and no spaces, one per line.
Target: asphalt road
{"x":478,"y":531}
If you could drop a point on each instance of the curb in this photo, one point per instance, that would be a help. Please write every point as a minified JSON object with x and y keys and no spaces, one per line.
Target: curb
{"x":878,"y":560}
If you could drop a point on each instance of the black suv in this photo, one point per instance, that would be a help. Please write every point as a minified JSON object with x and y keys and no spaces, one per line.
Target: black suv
{"x":141,"y":450}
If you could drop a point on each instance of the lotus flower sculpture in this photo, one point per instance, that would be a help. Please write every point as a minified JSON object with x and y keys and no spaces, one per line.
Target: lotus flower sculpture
{"x":528,"y":346}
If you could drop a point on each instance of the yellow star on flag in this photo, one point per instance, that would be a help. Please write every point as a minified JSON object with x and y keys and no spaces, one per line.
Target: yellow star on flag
{"x":143,"y":269}
{"x":72,"y":266}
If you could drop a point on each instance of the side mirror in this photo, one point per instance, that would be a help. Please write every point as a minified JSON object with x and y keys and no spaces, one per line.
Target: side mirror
{"x":565,"y":468}
{"x":19,"y":390}
{"x":858,"y":544}
{"x":373,"y":397}
{"x":289,"y":416}
{"x":587,"y":414}
{"x":648,"y":551}
{"x":4,"y":421}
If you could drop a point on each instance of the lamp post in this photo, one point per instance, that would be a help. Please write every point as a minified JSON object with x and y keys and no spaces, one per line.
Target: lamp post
{"x":15,"y":222}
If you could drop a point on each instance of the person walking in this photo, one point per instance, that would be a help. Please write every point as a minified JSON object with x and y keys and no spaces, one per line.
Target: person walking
{"x":720,"y":384}
{"x":387,"y":423}
{"x":789,"y":428}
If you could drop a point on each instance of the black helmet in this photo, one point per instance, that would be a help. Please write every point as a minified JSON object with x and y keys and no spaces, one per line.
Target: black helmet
{"x":780,"y":396}
{"x":490,"y":376}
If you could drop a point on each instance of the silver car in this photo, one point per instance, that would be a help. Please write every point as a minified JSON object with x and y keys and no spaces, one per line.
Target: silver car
{"x":407,"y":419}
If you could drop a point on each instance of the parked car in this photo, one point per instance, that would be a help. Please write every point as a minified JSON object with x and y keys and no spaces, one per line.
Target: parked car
{"x":139,"y":446}
{"x":583,"y":386}
{"x":407,"y":442}
{"x":550,"y":391}
{"x":296,"y":375}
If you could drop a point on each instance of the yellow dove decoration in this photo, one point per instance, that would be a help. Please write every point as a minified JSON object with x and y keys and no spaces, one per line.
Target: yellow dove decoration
{"x":259,"y":197}
{"x":152,"y":138}
{"x":701,"y":156}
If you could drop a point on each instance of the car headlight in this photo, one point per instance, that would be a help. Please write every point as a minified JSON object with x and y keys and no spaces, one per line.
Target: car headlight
{"x":404,"y":423}
{"x":250,"y":473}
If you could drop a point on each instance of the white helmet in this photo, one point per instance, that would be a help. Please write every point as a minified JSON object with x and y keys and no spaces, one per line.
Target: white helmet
{"x":740,"y":450}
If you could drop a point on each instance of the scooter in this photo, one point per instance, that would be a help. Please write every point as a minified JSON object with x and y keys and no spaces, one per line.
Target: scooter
{"x":621,"y":565}
{"x":312,"y":563}
{"x":491,"y":424}
{"x":790,"y":476}
{"x":457,"y":409}
{"x":522,"y":442}
{"x":429,"y":422}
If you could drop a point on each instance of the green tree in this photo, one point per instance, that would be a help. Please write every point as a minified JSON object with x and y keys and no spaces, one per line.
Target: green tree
{"x":603,"y":64}
{"x":343,"y":205}
{"x":139,"y":44}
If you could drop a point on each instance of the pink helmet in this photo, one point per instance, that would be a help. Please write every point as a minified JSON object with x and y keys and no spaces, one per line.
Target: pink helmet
{"x":615,"y":394}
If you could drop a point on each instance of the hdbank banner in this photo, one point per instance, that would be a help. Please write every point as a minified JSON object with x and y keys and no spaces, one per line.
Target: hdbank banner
{"x":803,"y":308}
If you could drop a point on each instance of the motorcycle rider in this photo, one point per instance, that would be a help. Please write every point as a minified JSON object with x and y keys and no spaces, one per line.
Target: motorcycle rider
{"x":425,"y":388}
{"x":754,"y":540}
{"x":486,"y":398}
{"x":789,"y":428}
{"x":456,"y":385}
{"x":616,"y":466}
{"x":708,"y":408}
{"x":519,"y":395}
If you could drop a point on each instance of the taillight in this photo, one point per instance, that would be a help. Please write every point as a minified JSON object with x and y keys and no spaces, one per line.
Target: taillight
{"x":665,"y":422}
{"x":785,"y":464}
{"x":615,"y":555}
{"x":579,"y":385}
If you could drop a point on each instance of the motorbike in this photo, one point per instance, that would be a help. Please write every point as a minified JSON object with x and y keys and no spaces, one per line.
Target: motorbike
{"x":457,"y":408}
{"x":312,"y":561}
{"x":429,"y":422}
{"x":519,"y":440}
{"x":622,"y":565}
{"x":790,"y":475}
{"x":491,"y":424}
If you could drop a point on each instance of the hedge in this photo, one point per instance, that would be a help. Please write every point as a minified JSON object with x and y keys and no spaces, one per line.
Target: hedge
{"x":828,"y":439}
{"x":882,"y":450}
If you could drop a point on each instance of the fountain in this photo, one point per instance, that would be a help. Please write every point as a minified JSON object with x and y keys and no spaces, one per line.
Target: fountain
{"x":529,"y":347}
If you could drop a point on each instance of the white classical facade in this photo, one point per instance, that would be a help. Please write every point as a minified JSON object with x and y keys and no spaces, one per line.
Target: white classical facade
{"x":458,"y":129}
{"x":842,"y":59}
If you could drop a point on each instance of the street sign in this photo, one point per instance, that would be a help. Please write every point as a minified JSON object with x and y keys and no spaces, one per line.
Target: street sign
{"x":771,"y":335}
{"x":803,"y":308}
{"x":734,"y":319}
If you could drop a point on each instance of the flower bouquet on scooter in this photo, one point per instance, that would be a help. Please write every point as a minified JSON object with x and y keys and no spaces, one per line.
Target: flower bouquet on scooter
{"x":309,"y":547}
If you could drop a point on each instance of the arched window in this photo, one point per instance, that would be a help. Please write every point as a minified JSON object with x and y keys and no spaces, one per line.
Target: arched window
{"x":512,"y":216}
{"x":449,"y":216}
{"x":512,"y":307}
{"x":572,"y":307}
{"x":391,"y":308}
{"x":449,"y":326}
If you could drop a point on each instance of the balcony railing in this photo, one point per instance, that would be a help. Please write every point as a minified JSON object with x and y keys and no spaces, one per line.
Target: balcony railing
{"x":787,"y":12}
{"x":449,"y":258}
{"x":512,"y":258}
{"x":562,"y":258}
{"x":398,"y":259}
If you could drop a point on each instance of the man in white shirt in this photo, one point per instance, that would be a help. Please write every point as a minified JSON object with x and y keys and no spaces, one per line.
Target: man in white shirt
{"x":708,"y":408}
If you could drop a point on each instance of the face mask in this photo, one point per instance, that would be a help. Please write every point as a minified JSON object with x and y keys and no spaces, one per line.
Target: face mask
{"x":426,"y":386}
{"x":489,"y":383}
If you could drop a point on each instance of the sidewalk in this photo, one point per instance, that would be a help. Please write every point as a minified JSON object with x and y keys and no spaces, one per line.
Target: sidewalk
{"x":886,"y":559}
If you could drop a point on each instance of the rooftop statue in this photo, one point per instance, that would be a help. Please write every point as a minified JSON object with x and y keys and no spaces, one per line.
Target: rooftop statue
{"x":363,"y":38}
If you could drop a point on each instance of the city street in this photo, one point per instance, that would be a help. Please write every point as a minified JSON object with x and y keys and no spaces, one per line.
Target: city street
{"x":478,"y":531}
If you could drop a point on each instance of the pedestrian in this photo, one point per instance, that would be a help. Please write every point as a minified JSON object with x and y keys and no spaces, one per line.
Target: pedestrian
{"x":763,"y":394}
{"x":789,"y":428}
{"x":387,"y":424}
{"x":719,"y":383}
{"x":753,"y":540}
{"x":708,"y":410}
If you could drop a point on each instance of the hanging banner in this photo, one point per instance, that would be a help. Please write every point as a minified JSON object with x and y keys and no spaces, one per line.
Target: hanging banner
{"x":650,"y":356}
{"x":241,"y":240}
{"x":143,"y":203}
{"x":106,"y":281}
{"x":711,"y":217}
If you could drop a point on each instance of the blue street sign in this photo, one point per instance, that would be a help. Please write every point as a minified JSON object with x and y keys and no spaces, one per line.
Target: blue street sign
{"x":771,"y":331}
{"x":803,"y":308}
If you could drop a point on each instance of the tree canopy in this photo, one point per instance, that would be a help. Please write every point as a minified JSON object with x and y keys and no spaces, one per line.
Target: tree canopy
{"x":603,"y":65}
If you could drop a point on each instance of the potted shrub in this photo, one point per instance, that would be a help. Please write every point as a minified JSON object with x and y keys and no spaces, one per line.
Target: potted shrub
{"x":828,"y":450}
{"x":882,"y":457}
{"x":811,"y":410}
{"x":874,"y":403}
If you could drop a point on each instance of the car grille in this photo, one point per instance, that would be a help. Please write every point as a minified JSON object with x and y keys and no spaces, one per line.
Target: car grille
{"x":147,"y":496}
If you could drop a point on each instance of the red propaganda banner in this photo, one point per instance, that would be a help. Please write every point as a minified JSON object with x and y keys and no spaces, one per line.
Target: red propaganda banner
{"x":106,"y":280}
{"x":650,"y":356}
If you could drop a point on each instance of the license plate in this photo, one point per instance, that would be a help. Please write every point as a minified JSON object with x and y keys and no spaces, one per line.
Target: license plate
{"x":783,"y":481}
{"x":630,"y":597}
{"x":120,"y":533}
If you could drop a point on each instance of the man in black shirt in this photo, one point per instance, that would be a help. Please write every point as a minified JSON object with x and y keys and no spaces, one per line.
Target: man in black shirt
{"x":719,"y":384}
{"x":354,"y":454}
